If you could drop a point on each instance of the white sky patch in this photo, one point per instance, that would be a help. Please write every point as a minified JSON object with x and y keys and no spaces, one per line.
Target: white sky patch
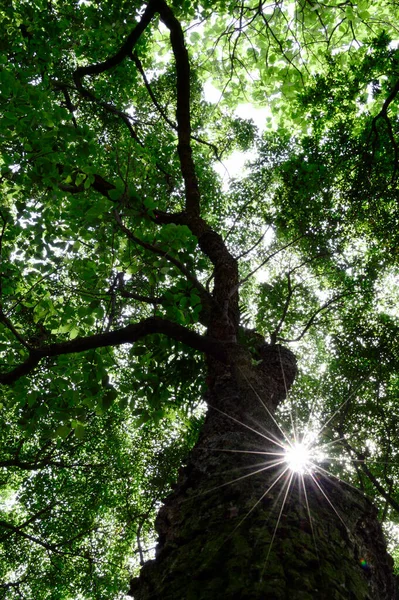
{"x":212,"y":94}
{"x":387,"y":294}
{"x":234,"y":166}
{"x":244,"y":111}
{"x":8,"y":500}
{"x":258,"y":115}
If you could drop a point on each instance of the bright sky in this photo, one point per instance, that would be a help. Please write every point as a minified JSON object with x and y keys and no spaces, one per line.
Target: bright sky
{"x":233,"y":166}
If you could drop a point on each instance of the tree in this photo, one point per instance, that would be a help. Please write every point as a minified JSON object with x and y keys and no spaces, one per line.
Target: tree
{"x":129,"y":293}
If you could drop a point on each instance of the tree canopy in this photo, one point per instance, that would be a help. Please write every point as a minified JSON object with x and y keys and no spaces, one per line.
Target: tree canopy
{"x":116,"y":238}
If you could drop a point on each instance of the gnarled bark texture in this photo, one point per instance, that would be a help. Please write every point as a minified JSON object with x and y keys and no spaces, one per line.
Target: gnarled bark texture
{"x":219,"y":540}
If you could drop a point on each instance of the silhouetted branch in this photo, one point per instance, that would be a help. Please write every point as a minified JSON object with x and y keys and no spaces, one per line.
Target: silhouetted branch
{"x":266,"y":260}
{"x":126,"y":335}
{"x":162,"y":111}
{"x":313,"y":317}
{"x":255,"y":245}
{"x":164,"y":253}
{"x":183,"y":117}
{"x":274,"y":334}
{"x":383,"y":114}
{"x":17,"y":530}
{"x":125,"y":50}
{"x":133,"y":295}
{"x":6,"y":321}
{"x":361,"y":460}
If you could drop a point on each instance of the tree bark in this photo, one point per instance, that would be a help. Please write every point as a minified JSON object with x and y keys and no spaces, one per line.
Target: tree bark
{"x":221,"y":540}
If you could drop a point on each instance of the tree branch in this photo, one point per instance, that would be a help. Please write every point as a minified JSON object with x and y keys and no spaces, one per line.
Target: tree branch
{"x":266,"y":260}
{"x":210,"y":242}
{"x":162,"y":111}
{"x":313,"y":317}
{"x":360,"y":458}
{"x":183,"y":118}
{"x":161,"y":252}
{"x":6,"y":321}
{"x":383,"y":114}
{"x":126,"y":335}
{"x":125,"y":50}
{"x":31,"y":538}
{"x":274,"y":334}
{"x":255,"y":245}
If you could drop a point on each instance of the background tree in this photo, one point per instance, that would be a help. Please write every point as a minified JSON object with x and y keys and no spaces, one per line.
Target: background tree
{"x":129,"y":290}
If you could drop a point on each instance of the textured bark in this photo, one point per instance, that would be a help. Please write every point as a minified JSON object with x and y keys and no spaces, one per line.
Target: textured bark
{"x":220,"y":541}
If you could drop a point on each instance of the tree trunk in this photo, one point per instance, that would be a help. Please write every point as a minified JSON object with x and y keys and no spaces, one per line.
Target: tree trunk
{"x":219,"y":540}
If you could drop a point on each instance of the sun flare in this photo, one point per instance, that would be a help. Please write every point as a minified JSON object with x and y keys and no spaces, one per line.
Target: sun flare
{"x":298,"y":457}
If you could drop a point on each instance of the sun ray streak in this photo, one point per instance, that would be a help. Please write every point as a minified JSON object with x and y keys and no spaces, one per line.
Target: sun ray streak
{"x":217,"y":487}
{"x":268,"y":463}
{"x":310,"y":516}
{"x":288,"y":485}
{"x":257,"y":502}
{"x":247,"y":426}
{"x":328,"y":500}
{"x":265,"y":407}
{"x":286,"y":393}
{"x":331,"y":443}
{"x":262,"y":452}
{"x":340,"y":407}
{"x":324,"y":471}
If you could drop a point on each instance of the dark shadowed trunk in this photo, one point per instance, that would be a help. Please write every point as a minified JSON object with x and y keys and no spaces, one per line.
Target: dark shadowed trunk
{"x":220,"y":541}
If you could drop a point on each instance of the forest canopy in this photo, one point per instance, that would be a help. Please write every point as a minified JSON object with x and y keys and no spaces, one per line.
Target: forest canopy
{"x":119,"y":121}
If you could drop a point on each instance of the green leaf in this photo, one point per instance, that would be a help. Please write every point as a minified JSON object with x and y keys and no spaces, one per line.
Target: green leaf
{"x":62,"y":431}
{"x":79,"y":431}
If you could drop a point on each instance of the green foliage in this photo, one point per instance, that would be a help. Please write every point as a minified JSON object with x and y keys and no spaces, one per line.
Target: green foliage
{"x":72,"y":510}
{"x":91,"y":441}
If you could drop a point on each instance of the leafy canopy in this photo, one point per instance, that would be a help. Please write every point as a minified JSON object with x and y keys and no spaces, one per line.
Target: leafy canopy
{"x":106,"y":293}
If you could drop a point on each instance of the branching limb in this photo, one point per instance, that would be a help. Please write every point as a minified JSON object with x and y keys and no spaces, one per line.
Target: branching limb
{"x":6,"y":321}
{"x":390,"y":98}
{"x":3,"y":318}
{"x":361,"y":460}
{"x":237,"y":216}
{"x":3,"y":228}
{"x":210,"y":242}
{"x":288,"y":299}
{"x":68,"y":104}
{"x":27,"y":536}
{"x":109,"y":107}
{"x":274,"y":335}
{"x":266,"y":260}
{"x":383,"y":115}
{"x":36,"y":465}
{"x":182,"y":108}
{"x":155,"y":102}
{"x":162,"y":111}
{"x":255,"y":245}
{"x":125,"y":50}
{"x":315,"y":314}
{"x":14,"y":584}
{"x":126,"y":335}
{"x":164,"y":253}
{"x":132,"y":295}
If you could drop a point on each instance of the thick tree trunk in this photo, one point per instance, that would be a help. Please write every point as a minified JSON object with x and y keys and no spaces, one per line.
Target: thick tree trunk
{"x":220,"y":541}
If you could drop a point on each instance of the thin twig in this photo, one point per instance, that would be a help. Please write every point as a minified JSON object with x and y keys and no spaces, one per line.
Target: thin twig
{"x":161,"y":252}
